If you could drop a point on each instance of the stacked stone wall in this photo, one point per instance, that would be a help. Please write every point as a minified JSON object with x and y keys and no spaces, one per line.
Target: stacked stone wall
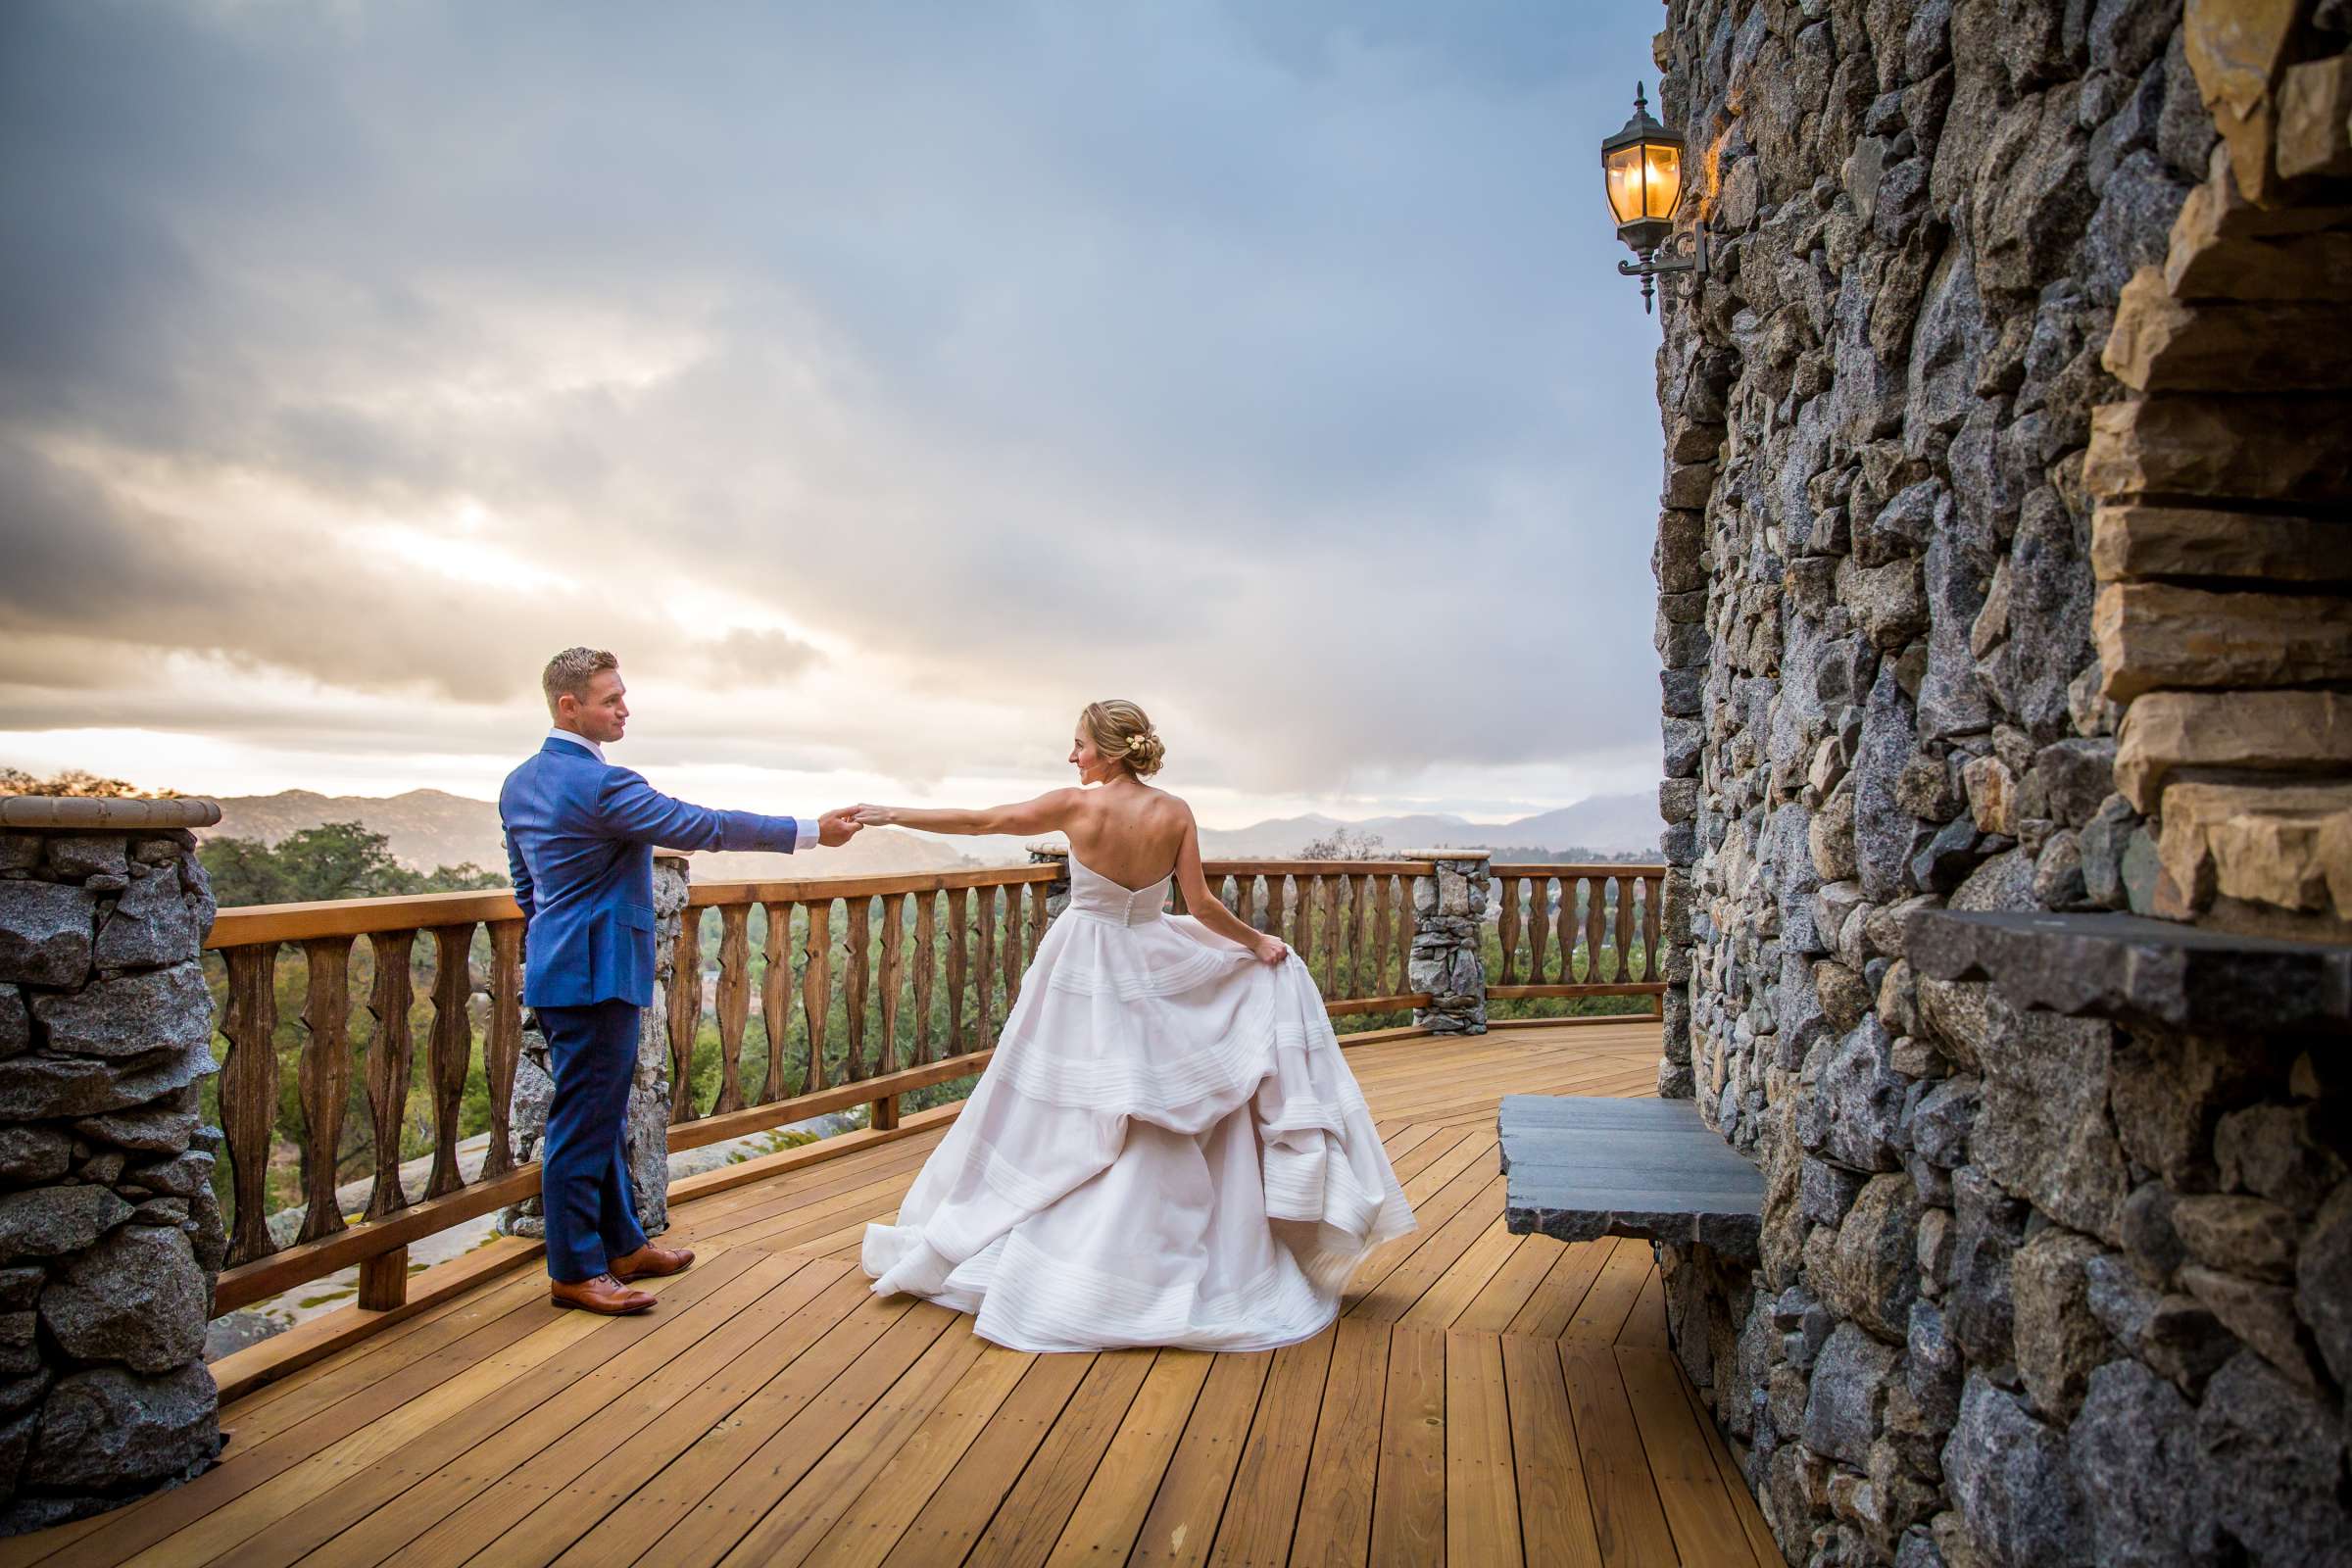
{"x":110,"y":1233}
{"x":2032,"y":1289}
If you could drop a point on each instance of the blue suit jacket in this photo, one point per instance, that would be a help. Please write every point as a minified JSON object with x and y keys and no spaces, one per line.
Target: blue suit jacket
{"x":580,"y":840}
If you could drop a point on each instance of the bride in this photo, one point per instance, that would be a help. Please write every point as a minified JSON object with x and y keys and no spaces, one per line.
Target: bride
{"x":1167,"y":1147}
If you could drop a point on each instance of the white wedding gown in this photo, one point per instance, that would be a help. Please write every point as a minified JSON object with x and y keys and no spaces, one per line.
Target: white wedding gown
{"x":1166,"y":1150}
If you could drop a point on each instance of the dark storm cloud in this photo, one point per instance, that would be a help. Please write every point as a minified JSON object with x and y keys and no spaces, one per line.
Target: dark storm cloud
{"x":1263,"y":357}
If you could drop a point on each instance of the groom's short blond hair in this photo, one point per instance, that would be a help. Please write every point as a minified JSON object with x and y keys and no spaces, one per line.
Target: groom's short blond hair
{"x":570,"y":671}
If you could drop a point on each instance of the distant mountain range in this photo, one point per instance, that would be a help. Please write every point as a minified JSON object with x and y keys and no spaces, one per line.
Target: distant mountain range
{"x":1611,"y":824}
{"x":429,"y":828}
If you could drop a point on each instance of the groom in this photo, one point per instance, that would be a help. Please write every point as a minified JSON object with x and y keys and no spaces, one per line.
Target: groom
{"x":580,"y":838}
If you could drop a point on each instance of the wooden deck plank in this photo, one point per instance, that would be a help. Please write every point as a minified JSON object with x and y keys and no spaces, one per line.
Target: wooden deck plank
{"x":224,"y":1490}
{"x":868,"y":1530}
{"x":1645,"y":1325}
{"x":1698,"y":1512}
{"x":798,"y":1520}
{"x":1439,"y":1251}
{"x":1335,"y":1515}
{"x":1556,"y":1512}
{"x":1262,"y":1510}
{"x":952,"y":1518}
{"x":1562,"y":1290}
{"x":575,"y":1508}
{"x":1481,"y":1486}
{"x":1743,"y":1504}
{"x":1628,"y":1520}
{"x":1408,"y":1499}
{"x":1031,"y":1519}
{"x":1111,"y":1511}
{"x":743,"y":1496}
{"x":1450,"y":1295}
{"x":818,"y":1342}
{"x":1182,"y":1524}
{"x":1606,"y":1306}
{"x":1507,"y":1290}
{"x":500,"y":1470}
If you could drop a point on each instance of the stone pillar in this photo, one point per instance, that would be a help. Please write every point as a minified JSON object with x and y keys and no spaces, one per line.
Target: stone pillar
{"x":1447,"y":961}
{"x":110,"y":1233}
{"x":648,"y":1128}
{"x":1057,"y":891}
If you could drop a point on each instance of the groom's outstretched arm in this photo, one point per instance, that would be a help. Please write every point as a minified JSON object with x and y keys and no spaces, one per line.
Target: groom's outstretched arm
{"x":631,"y":808}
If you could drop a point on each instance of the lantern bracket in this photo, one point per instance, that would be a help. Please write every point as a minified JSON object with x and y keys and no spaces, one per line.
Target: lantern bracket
{"x":1650,"y":267}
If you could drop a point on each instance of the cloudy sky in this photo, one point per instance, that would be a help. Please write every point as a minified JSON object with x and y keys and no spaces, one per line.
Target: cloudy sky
{"x":881,"y":381}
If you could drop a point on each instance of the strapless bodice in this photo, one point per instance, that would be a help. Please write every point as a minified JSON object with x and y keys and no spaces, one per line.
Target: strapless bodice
{"x":1098,"y":898}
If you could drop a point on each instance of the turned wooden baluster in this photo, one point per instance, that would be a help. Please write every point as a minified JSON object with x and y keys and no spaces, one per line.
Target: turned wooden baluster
{"x":1381,"y":893}
{"x":860,"y":938}
{"x":817,"y":990}
{"x":249,"y":1095}
{"x":1176,"y":904}
{"x":1409,"y":926}
{"x":451,"y":1050}
{"x":1012,"y":945}
{"x":1333,"y":891}
{"x":1564,"y":925}
{"x":775,"y":996}
{"x":1595,"y":913}
{"x":388,"y":1061}
{"x":505,"y":1045}
{"x":958,"y":961}
{"x":326,"y":1077}
{"x":1507,"y":925}
{"x":987,"y":966}
{"x":685,"y":1014}
{"x":893,"y":974}
{"x":1303,"y":920}
{"x":1041,"y":915}
{"x":1624,"y":927}
{"x":1538,"y":928}
{"x":733,"y":997}
{"x":1653,"y":890}
{"x":926,"y":963}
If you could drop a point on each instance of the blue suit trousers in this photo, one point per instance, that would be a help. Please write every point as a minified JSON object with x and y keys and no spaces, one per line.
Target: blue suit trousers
{"x":584,"y":1170}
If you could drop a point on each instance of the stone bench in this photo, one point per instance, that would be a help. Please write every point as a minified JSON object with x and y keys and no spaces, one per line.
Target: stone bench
{"x":1581,"y":1168}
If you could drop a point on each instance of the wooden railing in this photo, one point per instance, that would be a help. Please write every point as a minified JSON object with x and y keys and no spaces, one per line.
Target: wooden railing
{"x":864,"y":990}
{"x":1577,"y":930}
{"x":875,"y":1020}
{"x":1351,"y":922}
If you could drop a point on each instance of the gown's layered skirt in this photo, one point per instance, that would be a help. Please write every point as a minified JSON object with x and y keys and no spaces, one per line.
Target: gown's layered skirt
{"x":1166,"y":1149}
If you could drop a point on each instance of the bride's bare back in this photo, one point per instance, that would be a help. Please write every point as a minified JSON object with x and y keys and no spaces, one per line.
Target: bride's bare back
{"x":1127,"y":831}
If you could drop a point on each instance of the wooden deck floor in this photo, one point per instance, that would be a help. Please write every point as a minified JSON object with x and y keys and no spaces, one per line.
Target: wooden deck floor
{"x":1485,"y":1399}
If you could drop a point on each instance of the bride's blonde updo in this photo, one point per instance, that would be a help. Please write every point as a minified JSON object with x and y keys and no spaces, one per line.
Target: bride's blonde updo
{"x":1122,"y":733}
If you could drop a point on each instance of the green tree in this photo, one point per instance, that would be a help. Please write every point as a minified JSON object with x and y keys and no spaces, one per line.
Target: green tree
{"x":332,"y":861}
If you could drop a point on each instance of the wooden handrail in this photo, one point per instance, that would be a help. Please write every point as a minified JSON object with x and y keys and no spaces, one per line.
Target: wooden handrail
{"x":1638,"y":869}
{"x":249,"y":925}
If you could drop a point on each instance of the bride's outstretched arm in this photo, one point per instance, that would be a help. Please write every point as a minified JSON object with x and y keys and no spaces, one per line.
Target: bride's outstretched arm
{"x":1048,"y":814}
{"x":1209,"y":909}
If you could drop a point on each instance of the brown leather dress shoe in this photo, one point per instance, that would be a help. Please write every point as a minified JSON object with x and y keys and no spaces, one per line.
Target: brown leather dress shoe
{"x":603,"y":1293}
{"x":650,"y":1261}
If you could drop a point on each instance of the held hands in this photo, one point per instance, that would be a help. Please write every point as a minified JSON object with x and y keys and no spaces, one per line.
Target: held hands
{"x":1273,"y":950}
{"x":837,"y":828}
{"x":872,"y":815}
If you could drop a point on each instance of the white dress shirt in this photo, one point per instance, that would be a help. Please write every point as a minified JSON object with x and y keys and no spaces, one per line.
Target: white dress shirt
{"x":803,"y":828}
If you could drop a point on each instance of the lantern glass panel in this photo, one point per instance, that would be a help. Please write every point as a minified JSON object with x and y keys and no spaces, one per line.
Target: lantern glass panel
{"x":1644,"y":180}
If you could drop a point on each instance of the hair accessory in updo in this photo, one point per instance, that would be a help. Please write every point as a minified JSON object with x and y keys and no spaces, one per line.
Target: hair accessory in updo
{"x":1122,"y":733}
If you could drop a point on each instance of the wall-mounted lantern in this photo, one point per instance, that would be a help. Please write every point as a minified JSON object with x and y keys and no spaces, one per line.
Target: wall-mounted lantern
{"x":1642,"y":165}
